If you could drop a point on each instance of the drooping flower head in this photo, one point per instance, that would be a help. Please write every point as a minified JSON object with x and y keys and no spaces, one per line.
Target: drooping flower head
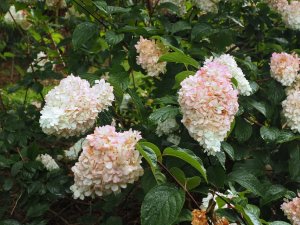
{"x":244,"y":87}
{"x":208,"y":103}
{"x":20,"y":17}
{"x":72,"y":107}
{"x":292,"y":210}
{"x":284,"y":67}
{"x":48,"y":162}
{"x":109,"y":161}
{"x":291,"y":110}
{"x":149,"y":53}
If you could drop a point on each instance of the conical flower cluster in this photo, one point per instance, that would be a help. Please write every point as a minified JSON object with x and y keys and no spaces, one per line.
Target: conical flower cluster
{"x":72,"y":107}
{"x":209,"y":103}
{"x":285,"y":67}
{"x":290,"y":12}
{"x":149,"y":53}
{"x":108,"y":162}
{"x":292,"y":210}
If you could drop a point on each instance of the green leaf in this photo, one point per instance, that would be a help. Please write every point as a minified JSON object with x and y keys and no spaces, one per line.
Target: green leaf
{"x":36,"y":210}
{"x":180,"y":26}
{"x":83,"y":33}
{"x":221,"y":158}
{"x":228,"y":149}
{"x":251,"y":214}
{"x":16,"y":168}
{"x":187,"y":156}
{"x":262,"y":107}
{"x":164,"y":113}
{"x":178,"y":57}
{"x":184,"y":216}
{"x":274,"y":135}
{"x":279,"y":223}
{"x":273,"y":193}
{"x":151,"y":159}
{"x":178,"y":174}
{"x":113,"y":38}
{"x":201,"y":30}
{"x":162,"y":205}
{"x":153,"y":147}
{"x":246,"y":180}
{"x":138,"y":103}
{"x":181,"y":76}
{"x":242,"y":130}
{"x":192,"y":182}
{"x":294,"y":162}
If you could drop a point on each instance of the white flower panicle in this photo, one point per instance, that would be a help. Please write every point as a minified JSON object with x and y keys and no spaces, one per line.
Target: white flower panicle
{"x":289,"y":11}
{"x":208,"y":103}
{"x":149,"y":53}
{"x":207,"y":5}
{"x":166,"y":127}
{"x":291,"y":15}
{"x":48,"y":162}
{"x":20,"y":17}
{"x":73,"y":152}
{"x":291,"y":110}
{"x":72,"y":107}
{"x":174,"y":139}
{"x":108,"y":162}
{"x":56,"y":3}
{"x":39,"y":63}
{"x":284,"y":67}
{"x":243,"y":86}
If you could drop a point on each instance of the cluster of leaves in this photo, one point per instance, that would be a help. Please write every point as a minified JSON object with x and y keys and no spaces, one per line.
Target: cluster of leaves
{"x":260,"y":159}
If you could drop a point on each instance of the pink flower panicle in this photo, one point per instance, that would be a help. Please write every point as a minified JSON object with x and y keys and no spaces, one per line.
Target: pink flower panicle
{"x":149,"y":53}
{"x":292,"y":210}
{"x":209,"y":103}
{"x":284,"y":67}
{"x":108,"y":162}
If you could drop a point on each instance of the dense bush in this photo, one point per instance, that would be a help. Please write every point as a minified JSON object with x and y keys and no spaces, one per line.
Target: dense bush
{"x":162,"y":143}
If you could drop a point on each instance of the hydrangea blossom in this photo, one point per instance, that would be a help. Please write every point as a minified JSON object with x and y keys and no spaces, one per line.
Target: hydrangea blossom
{"x":208,"y":104}
{"x":292,"y":210}
{"x":174,"y":139}
{"x":291,"y":110}
{"x":277,"y":5}
{"x":73,"y":152}
{"x":149,"y":53}
{"x":48,"y":162}
{"x":108,"y":162}
{"x":56,"y":3}
{"x":72,"y":107}
{"x":244,"y":87}
{"x":290,"y":12}
{"x":166,"y":127}
{"x":291,"y":15}
{"x":284,"y":67}
{"x":39,"y":63}
{"x":207,"y":5}
{"x":20,"y":17}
